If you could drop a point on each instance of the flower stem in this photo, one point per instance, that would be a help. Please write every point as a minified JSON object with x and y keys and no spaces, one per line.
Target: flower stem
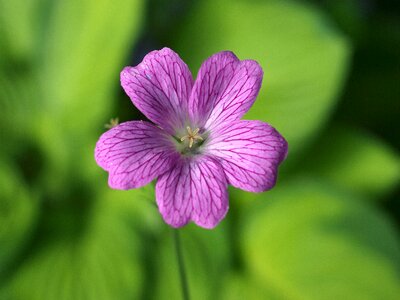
{"x":181,"y":265}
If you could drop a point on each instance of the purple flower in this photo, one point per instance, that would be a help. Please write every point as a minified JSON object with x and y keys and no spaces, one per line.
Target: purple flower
{"x":197,"y":144}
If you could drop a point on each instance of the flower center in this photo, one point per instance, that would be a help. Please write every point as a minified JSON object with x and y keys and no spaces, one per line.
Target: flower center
{"x":192,"y":136}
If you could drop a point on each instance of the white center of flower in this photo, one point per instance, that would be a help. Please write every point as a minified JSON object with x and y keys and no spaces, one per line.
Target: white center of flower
{"x":192,"y":136}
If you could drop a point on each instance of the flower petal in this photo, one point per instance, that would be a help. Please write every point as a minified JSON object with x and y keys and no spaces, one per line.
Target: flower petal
{"x":212,"y":79}
{"x":160,"y":87}
{"x":196,"y":189}
{"x":224,"y":90}
{"x":250,"y":153}
{"x":134,"y":153}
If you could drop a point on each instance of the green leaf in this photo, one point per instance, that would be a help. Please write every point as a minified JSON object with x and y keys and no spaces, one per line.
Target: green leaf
{"x":309,"y":241}
{"x":303,"y":56}
{"x":354,"y":160}
{"x":136,"y":207}
{"x":18,"y":112}
{"x":80,"y":56}
{"x":242,"y":286}
{"x":18,"y":212}
{"x":206,"y":256}
{"x":101,"y":259}
{"x":18,"y":29}
{"x":61,"y":97}
{"x":83,"y":53}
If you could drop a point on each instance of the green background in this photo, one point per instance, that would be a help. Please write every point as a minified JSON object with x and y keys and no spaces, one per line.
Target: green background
{"x":328,"y":230}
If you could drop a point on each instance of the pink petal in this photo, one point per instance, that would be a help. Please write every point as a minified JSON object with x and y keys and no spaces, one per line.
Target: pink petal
{"x":250,"y":153}
{"x":134,"y":153}
{"x":160,"y":87}
{"x":196,"y":189}
{"x":212,"y":79}
{"x":224,"y":90}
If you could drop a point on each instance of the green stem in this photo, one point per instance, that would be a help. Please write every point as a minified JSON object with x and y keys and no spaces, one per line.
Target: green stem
{"x":181,"y":265}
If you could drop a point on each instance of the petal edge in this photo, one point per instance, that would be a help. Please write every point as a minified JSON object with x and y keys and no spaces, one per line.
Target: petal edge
{"x":250,"y":153}
{"x":134,"y":153}
{"x":224,"y":90}
{"x":160,"y":87}
{"x":195,"y":190}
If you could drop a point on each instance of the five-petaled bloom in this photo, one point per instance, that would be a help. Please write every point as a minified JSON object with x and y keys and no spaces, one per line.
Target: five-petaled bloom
{"x":197,"y":144}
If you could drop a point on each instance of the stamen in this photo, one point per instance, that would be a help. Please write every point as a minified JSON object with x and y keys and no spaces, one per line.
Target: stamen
{"x":196,"y":131}
{"x":192,"y":136}
{"x":113,"y":122}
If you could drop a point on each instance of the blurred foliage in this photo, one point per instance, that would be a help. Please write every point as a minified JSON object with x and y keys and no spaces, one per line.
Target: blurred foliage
{"x":103,"y":262}
{"x":209,"y":255}
{"x":325,"y":232}
{"x":318,"y":243}
{"x":18,"y":213}
{"x":285,"y":38}
{"x":360,"y":163}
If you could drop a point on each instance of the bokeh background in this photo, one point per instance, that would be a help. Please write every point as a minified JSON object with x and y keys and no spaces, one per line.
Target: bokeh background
{"x":328,"y":230}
